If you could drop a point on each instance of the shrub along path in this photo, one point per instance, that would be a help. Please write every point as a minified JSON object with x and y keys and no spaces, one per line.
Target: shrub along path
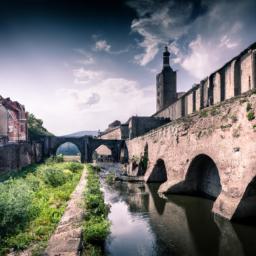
{"x":32,"y":202}
{"x":66,"y":239}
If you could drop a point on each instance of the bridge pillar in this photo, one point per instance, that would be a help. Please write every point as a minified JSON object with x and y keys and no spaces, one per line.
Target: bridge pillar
{"x":225,"y":205}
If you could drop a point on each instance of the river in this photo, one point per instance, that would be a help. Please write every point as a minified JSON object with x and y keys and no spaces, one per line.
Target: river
{"x":145,"y":224}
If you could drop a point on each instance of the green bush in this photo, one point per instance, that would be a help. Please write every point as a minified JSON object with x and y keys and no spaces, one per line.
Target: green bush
{"x":54,"y":177}
{"x":73,"y":166}
{"x":250,"y":115}
{"x":110,"y":178}
{"x":203,"y":113}
{"x":55,"y":159}
{"x":30,"y":207}
{"x":96,"y":226}
{"x":96,"y":230}
{"x":16,"y":206}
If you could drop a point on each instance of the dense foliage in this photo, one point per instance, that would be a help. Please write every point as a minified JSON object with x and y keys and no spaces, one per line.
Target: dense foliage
{"x":96,"y":226}
{"x":36,"y":128}
{"x":32,"y":202}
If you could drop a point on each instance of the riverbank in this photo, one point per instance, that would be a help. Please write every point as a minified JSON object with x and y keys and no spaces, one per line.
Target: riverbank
{"x":32,"y":202}
{"x":96,"y":226}
{"x":67,"y":237}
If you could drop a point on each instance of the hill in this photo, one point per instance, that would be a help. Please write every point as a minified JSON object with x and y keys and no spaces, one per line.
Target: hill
{"x":82,"y":133}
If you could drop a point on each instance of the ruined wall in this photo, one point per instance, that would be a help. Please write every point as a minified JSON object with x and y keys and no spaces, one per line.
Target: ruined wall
{"x":118,"y":133}
{"x":3,"y":121}
{"x":198,"y":98}
{"x":224,"y":133}
{"x":246,"y":72}
{"x":235,"y":77}
{"x":174,"y":111}
{"x":16,"y":156}
{"x":112,"y":134}
{"x":229,"y":80}
{"x":189,"y":98}
{"x":140,"y":125}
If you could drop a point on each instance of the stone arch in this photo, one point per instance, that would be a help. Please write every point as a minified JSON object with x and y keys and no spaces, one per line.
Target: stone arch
{"x":124,"y":154}
{"x":55,"y":142}
{"x":69,"y":149}
{"x":102,"y":153}
{"x":54,"y":151}
{"x":246,"y":208}
{"x":158,"y":173}
{"x":202,"y":177}
{"x":113,"y":145}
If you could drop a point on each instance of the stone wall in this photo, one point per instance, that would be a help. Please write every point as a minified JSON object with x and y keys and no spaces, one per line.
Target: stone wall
{"x":16,"y":156}
{"x":223,"y":133}
{"x":118,"y":133}
{"x":235,"y":77}
{"x":139,"y":125}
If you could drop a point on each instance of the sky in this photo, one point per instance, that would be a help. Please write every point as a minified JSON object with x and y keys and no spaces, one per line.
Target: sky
{"x":79,"y":65}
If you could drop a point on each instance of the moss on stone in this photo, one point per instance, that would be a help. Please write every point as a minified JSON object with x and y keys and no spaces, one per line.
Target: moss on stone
{"x":250,"y":116}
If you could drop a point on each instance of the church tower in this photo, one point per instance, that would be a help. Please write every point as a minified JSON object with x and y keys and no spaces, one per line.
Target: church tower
{"x":165,"y":84}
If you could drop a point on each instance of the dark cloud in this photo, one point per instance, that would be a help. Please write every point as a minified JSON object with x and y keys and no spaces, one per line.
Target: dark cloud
{"x":202,"y":35}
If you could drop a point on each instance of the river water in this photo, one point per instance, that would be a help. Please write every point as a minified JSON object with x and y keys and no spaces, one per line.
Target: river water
{"x":145,"y":224}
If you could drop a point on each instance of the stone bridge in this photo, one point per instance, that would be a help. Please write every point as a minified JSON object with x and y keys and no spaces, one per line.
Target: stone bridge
{"x":211,"y":152}
{"x":86,"y":145}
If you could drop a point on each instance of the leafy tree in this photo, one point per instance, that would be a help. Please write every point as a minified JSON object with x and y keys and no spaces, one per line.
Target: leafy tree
{"x":36,"y":128}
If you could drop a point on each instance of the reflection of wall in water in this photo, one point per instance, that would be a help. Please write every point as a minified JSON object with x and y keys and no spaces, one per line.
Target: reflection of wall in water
{"x":171,"y":224}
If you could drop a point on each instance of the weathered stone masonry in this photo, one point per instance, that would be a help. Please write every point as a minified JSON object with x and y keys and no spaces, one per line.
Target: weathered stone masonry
{"x":235,"y":77}
{"x":221,"y":133}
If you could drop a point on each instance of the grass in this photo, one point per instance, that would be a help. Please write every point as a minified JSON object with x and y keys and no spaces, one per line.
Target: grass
{"x":32,"y":202}
{"x":250,"y":115}
{"x":203,"y":113}
{"x":110,"y":178}
{"x":96,"y":226}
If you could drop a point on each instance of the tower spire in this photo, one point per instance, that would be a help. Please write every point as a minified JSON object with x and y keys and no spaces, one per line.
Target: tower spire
{"x":166,"y":56}
{"x":166,"y":83}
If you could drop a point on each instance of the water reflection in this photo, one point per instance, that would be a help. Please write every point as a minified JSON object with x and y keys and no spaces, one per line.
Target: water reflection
{"x":145,"y":224}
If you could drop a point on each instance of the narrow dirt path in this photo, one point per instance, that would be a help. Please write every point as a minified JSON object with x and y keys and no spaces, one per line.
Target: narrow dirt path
{"x":66,"y":240}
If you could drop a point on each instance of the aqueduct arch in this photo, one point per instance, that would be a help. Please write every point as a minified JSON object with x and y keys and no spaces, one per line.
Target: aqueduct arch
{"x":159,"y":173}
{"x":247,"y":206}
{"x":202,"y":176}
{"x":86,"y":145}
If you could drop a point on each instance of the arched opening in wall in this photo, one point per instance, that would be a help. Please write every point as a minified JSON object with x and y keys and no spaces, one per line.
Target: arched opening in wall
{"x":124,"y":155}
{"x":246,"y":210}
{"x":159,"y":173}
{"x":102,"y":154}
{"x":203,"y":177}
{"x":69,"y":151}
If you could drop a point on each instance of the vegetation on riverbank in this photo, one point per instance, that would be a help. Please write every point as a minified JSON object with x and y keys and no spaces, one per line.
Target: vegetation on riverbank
{"x":96,"y":226}
{"x":36,"y":128}
{"x":32,"y":202}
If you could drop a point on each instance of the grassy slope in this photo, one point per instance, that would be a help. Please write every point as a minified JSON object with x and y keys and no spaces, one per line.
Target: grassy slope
{"x":32,"y":202}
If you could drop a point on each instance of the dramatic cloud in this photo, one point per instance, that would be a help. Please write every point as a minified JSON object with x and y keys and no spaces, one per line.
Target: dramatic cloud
{"x":161,"y":22}
{"x":102,"y":45}
{"x":108,"y":99}
{"x":202,"y":35}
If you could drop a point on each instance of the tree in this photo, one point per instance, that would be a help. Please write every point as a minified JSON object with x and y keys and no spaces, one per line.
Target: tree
{"x":36,"y":128}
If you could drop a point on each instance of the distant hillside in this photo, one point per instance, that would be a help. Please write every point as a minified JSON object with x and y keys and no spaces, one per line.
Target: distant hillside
{"x":82,"y":133}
